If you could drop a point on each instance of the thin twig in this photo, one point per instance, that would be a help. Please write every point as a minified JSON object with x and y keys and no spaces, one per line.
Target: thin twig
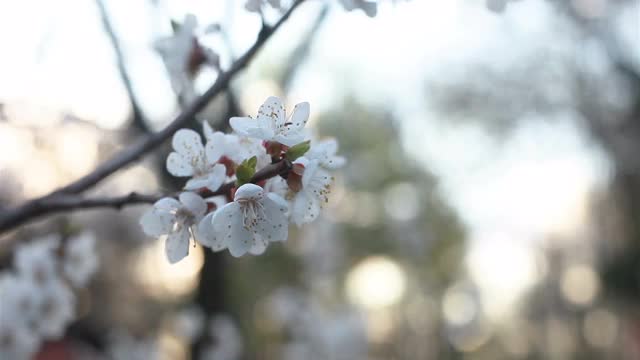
{"x":138,"y":118}
{"x":70,"y":202}
{"x":37,"y":207}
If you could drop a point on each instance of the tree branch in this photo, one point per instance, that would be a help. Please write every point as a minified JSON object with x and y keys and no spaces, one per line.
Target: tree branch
{"x":38,"y":207}
{"x":69,"y":202}
{"x":137,"y":114}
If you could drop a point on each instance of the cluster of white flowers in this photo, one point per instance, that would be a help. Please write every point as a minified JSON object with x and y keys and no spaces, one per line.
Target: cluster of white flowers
{"x":249,"y":216}
{"x":37,"y":301}
{"x":315,"y":331}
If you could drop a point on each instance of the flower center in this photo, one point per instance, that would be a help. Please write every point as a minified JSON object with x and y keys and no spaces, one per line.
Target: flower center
{"x":252,"y":212}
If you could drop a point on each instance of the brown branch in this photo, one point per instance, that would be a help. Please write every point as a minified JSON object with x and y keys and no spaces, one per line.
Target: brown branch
{"x":70,"y":202}
{"x":11,"y":218}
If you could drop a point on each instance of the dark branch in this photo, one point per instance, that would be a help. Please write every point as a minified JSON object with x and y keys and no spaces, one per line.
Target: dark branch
{"x":69,"y":202}
{"x":38,"y":207}
{"x":138,"y":117}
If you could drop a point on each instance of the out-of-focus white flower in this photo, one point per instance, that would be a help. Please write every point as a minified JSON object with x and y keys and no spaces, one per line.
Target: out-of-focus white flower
{"x":498,"y":6}
{"x":247,"y":224}
{"x":188,"y":323}
{"x":325,"y":152}
{"x":175,"y":219}
{"x":227,"y":342}
{"x":369,"y":7}
{"x":256,"y":5}
{"x":123,"y":346}
{"x":56,"y":310}
{"x":17,"y":310}
{"x":16,"y":340}
{"x":80,"y":259}
{"x":182,"y":55}
{"x":191,"y":159}
{"x":37,"y":261}
{"x":310,"y":193}
{"x":271,"y":124}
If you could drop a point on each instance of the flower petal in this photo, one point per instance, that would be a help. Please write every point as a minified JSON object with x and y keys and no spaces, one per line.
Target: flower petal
{"x":156,"y":223}
{"x":215,"y":147}
{"x":207,"y":130}
{"x":289,"y":138}
{"x":299,"y":116}
{"x":275,"y":227}
{"x":207,"y":235}
{"x":247,"y":126}
{"x":272,"y":111}
{"x":188,"y":143}
{"x":177,"y":245}
{"x":177,"y":165}
{"x":259,"y":246}
{"x":194,"y":203}
{"x":305,"y":208}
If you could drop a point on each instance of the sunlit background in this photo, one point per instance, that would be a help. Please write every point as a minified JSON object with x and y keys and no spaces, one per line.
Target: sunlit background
{"x":490,"y":208}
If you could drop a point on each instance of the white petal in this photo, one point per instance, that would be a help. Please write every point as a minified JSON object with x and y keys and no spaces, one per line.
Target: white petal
{"x":259,"y":246}
{"x":248,"y":191}
{"x":228,"y":222}
{"x":272,"y":111}
{"x":194,"y":203}
{"x":188,"y":143}
{"x":215,"y":147}
{"x":216,"y":177}
{"x":211,"y":181}
{"x":246,"y":126}
{"x":290,"y":138}
{"x":335,"y":162}
{"x":299,"y":116}
{"x":275,"y":227}
{"x":305,"y":208}
{"x":167,"y":204}
{"x":177,"y":165}
{"x":207,"y":235}
{"x":156,"y":223}
{"x":240,"y":239}
{"x":207,"y":130}
{"x":177,"y":245}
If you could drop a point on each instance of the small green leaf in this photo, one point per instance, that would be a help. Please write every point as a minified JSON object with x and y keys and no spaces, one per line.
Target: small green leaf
{"x":298,"y":150}
{"x":253,"y":162}
{"x":246,"y":170}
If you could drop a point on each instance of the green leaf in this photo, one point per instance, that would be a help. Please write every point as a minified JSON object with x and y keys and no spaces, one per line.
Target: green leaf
{"x":246,"y":170}
{"x":298,"y":150}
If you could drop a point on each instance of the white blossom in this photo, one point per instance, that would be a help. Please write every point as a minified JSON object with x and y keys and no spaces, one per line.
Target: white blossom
{"x":325,"y":152}
{"x":247,"y":224}
{"x":190,"y":159}
{"x":369,"y":7}
{"x":17,"y":342}
{"x":256,"y":5}
{"x":17,"y":310}
{"x":56,"y":310}
{"x":227,"y":342}
{"x":308,"y":200}
{"x":230,"y":149}
{"x":36,"y":260}
{"x":179,"y":51}
{"x":80,"y":259}
{"x":123,"y":346}
{"x":177,"y":220}
{"x":272,"y":124}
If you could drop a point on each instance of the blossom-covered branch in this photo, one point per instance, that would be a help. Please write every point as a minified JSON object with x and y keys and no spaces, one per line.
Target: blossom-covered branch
{"x":37,"y":207}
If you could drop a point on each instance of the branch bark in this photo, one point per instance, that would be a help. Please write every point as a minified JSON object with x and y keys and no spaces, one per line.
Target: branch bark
{"x":52,"y":202}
